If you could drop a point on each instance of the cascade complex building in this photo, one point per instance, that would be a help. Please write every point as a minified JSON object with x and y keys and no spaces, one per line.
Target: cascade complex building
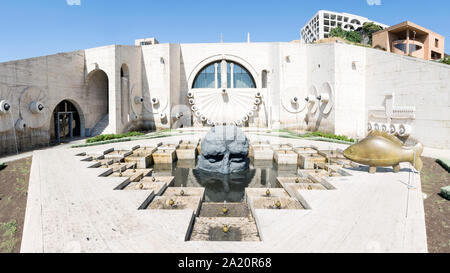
{"x":331,"y":87}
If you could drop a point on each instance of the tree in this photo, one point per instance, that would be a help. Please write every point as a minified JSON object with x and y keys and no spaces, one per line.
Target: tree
{"x":338,"y":32}
{"x":353,"y":36}
{"x":446,"y":60}
{"x":369,"y":28}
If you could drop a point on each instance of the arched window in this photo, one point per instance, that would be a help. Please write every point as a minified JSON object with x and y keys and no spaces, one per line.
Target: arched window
{"x":355,"y":21}
{"x":207,"y":76}
{"x":236,"y":77}
{"x":349,"y":27}
{"x":240,"y":77}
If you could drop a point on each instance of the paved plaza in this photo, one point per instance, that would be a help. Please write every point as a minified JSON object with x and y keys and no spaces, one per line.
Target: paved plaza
{"x":71,"y":209}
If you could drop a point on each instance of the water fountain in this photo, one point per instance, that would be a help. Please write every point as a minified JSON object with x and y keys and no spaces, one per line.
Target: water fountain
{"x":225,"y":228}
{"x":278,"y":204}
{"x":224,"y":208}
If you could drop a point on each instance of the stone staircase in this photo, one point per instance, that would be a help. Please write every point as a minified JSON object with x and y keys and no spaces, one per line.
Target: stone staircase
{"x":100,"y":127}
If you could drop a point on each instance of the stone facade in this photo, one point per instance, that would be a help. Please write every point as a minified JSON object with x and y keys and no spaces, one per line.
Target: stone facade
{"x":149,"y":86}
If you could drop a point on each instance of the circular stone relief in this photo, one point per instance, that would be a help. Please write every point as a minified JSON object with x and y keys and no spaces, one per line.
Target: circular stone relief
{"x":33,"y":106}
{"x":312,"y":102}
{"x":158,"y":107}
{"x":6,"y":119}
{"x":292,"y":100}
{"x":326,"y":92}
{"x":136,"y":105}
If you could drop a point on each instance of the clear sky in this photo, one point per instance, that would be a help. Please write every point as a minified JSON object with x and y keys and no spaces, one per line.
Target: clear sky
{"x":32,"y":28}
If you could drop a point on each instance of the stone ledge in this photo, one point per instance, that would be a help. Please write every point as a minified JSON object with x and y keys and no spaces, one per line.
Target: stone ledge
{"x":445,"y":192}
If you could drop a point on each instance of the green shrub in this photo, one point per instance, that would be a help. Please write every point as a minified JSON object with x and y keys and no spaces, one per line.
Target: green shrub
{"x":329,"y":135}
{"x":445,"y":61}
{"x":2,"y":166}
{"x":369,"y":28}
{"x":353,"y":36}
{"x":338,"y":32}
{"x":356,"y":36}
{"x":113,"y":136}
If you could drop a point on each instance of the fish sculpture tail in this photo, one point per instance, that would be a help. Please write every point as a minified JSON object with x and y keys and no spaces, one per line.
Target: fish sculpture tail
{"x":418,"y":149}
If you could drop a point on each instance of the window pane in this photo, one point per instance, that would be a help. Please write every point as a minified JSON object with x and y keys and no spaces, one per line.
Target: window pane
{"x":219,"y":75}
{"x":413,"y":48}
{"x":228,"y":75}
{"x":242,"y":78}
{"x":206,"y":77}
{"x":401,"y":47}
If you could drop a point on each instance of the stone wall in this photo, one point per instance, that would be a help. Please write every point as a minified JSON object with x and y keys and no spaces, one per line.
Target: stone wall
{"x":357,"y":79}
{"x":50,"y":80}
{"x":417,"y":83}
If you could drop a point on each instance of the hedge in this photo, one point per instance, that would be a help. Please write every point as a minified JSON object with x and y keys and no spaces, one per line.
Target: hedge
{"x":112,"y":136}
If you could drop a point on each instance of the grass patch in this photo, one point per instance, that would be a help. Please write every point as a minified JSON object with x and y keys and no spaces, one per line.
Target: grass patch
{"x":8,"y":237}
{"x":314,"y":136}
{"x":140,"y":136}
{"x":113,"y":136}
{"x":330,"y":136}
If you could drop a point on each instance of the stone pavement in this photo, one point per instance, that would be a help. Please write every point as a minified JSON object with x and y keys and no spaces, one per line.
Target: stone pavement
{"x":71,"y":209}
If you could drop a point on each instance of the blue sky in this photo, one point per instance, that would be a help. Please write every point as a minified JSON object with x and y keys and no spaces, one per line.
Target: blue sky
{"x":33,"y":28}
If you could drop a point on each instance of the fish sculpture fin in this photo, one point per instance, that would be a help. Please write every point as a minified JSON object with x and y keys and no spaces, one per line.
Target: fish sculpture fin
{"x":392,"y":138}
{"x":418,"y":149}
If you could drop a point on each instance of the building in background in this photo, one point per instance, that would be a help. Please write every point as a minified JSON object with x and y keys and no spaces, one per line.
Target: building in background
{"x":410,"y":39}
{"x":324,"y":21}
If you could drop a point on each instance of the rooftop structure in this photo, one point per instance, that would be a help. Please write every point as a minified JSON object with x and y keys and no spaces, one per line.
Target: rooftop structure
{"x":324,"y":21}
{"x":411,"y":39}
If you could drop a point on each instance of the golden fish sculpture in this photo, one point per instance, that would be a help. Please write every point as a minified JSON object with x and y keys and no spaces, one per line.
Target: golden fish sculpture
{"x":379,"y":149}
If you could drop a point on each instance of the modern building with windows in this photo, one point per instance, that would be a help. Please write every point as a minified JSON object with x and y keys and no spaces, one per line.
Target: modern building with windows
{"x":329,"y":87}
{"x":320,"y":25}
{"x":410,"y":39}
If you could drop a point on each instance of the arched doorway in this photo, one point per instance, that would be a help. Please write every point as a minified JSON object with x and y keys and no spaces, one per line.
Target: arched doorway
{"x":98,"y":97}
{"x":66,"y":122}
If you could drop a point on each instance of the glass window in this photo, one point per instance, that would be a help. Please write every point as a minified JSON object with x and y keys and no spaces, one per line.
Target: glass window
{"x":413,"y":48}
{"x":401,"y":47}
{"x":207,"y":76}
{"x":242,"y":78}
{"x":228,"y":75}
{"x":219,"y":75}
